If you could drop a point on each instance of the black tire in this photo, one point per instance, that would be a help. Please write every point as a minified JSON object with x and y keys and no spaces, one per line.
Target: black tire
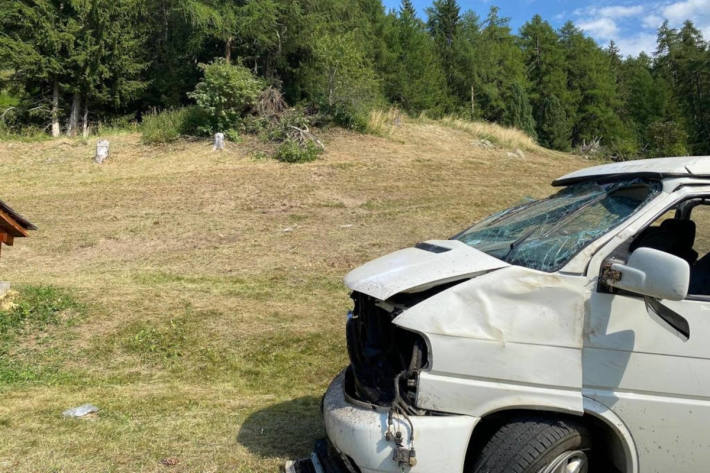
{"x":527,"y":444}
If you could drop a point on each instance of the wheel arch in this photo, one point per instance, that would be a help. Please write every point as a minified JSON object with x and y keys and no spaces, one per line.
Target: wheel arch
{"x":607,"y":429}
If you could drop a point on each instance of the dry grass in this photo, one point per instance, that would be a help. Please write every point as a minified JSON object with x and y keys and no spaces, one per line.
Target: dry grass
{"x":505,"y":137}
{"x":384,"y":122}
{"x":211,"y":281}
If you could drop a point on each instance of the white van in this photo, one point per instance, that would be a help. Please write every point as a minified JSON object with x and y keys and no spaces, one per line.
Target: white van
{"x":568,"y":334}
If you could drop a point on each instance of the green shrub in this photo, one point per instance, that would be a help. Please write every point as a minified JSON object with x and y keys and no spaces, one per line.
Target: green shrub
{"x":226,"y":93}
{"x":123,"y":124}
{"x":291,"y":151}
{"x":350,"y":117}
{"x":666,"y":139}
{"x":623,"y":149}
{"x":27,"y":134}
{"x":232,"y":135}
{"x":283,"y":128}
{"x":169,"y":125}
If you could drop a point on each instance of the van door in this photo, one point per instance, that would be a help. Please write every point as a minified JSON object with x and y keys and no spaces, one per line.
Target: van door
{"x":649,"y":360}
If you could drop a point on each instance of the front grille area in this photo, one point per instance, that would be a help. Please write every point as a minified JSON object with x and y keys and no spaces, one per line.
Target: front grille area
{"x":384,"y":359}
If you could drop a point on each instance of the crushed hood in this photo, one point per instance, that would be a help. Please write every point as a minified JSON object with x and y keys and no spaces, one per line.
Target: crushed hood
{"x":419,"y":268}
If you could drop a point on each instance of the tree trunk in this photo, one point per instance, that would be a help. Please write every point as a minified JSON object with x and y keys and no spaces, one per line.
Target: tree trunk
{"x":473,"y":103}
{"x":85,"y":120}
{"x":55,"y":110}
{"x":228,"y":50}
{"x":73,"y":122}
{"x":331,"y":88}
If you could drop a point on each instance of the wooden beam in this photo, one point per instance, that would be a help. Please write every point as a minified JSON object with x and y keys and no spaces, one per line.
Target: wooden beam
{"x":10,"y":222}
{"x":6,"y":238}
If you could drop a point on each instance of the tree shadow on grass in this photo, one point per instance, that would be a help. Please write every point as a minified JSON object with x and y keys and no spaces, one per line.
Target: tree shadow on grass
{"x":286,"y":430}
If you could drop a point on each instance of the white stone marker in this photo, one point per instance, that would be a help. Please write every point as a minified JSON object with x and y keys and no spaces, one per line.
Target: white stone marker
{"x":218,"y":142}
{"x":102,"y":151}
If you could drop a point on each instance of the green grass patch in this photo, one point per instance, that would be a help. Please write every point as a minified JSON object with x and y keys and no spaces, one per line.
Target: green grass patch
{"x":170,"y":125}
{"x":34,"y":309}
{"x":164,"y":343}
{"x":27,"y":134}
{"x":29,"y":315}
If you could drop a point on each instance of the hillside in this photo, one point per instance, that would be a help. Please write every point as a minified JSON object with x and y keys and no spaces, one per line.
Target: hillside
{"x":207,"y":309}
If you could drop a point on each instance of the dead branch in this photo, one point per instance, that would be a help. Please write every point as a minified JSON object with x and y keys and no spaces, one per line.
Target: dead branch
{"x":271,"y":103}
{"x":304,"y":136}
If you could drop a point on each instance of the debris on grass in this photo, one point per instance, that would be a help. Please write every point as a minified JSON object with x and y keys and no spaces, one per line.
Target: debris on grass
{"x":81,"y":411}
{"x":483,"y":144}
{"x":169,"y":461}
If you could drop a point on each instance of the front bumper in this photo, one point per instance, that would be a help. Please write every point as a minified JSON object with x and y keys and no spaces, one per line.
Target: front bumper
{"x":358,"y":434}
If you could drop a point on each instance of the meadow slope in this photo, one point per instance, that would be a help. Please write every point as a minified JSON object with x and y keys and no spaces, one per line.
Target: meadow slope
{"x":213,"y":308}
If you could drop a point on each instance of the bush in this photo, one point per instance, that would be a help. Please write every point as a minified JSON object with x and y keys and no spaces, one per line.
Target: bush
{"x":123,"y":124}
{"x":283,"y":128}
{"x":291,"y":151}
{"x":623,"y":149}
{"x":169,"y":125}
{"x":350,"y":117}
{"x":226,"y":93}
{"x":232,"y":135}
{"x":666,"y":139}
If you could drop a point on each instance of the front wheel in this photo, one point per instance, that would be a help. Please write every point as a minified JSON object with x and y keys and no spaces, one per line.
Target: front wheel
{"x":536,"y":444}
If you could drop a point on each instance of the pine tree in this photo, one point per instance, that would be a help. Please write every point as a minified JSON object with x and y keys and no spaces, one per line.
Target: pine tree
{"x":36,"y":42}
{"x":107,"y":58}
{"x":175,"y":49}
{"x":501,"y":72}
{"x":443,"y":25}
{"x":520,"y":111}
{"x":693,"y":84}
{"x":681,"y":61}
{"x":414,"y":77}
{"x":592,"y":88}
{"x":544,"y":62}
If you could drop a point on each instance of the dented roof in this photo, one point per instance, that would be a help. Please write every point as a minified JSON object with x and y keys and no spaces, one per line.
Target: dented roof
{"x":694,"y":166}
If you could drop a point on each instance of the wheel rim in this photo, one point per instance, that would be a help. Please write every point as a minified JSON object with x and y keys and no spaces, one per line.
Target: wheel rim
{"x":569,"y":462}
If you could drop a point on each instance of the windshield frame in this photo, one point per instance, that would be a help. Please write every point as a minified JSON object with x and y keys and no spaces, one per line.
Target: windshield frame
{"x":655,"y":189}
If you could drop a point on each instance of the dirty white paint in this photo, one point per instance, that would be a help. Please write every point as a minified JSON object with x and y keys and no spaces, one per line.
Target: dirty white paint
{"x":359,"y":432}
{"x":686,"y":166}
{"x":413,"y":269}
{"x":506,"y":319}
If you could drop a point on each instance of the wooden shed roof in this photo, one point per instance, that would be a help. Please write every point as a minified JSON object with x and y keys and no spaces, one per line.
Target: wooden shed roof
{"x":12,"y":225}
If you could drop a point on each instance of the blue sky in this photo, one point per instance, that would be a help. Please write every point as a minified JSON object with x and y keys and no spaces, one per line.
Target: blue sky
{"x":631,"y":24}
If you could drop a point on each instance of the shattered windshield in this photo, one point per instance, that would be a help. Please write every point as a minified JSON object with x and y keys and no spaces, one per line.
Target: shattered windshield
{"x":546,"y":234}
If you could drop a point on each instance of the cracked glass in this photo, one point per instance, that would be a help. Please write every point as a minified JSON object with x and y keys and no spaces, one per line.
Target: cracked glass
{"x":545,"y":234}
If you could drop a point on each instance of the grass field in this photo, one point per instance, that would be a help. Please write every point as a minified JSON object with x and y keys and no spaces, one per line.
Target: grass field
{"x":196,"y":297}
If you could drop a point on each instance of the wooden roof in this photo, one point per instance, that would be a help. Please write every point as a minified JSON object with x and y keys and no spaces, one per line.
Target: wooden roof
{"x":12,"y":225}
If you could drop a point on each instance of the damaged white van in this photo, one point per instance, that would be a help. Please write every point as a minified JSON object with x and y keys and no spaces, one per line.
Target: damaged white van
{"x":569,"y":334}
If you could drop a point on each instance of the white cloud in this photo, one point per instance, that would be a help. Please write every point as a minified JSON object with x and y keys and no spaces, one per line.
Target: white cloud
{"x":633,"y":26}
{"x":681,"y":11}
{"x":652,"y":21}
{"x":633,"y":45}
{"x":619,"y":11}
{"x":602,"y":28}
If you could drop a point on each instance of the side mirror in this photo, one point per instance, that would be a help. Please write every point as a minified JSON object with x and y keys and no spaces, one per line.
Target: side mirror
{"x":652,"y":273}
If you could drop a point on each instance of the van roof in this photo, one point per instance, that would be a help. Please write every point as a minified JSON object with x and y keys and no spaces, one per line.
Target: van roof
{"x":692,"y":166}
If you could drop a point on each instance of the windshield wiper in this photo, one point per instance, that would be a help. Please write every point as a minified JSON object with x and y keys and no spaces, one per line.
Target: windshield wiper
{"x":569,"y":215}
{"x":521,"y":239}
